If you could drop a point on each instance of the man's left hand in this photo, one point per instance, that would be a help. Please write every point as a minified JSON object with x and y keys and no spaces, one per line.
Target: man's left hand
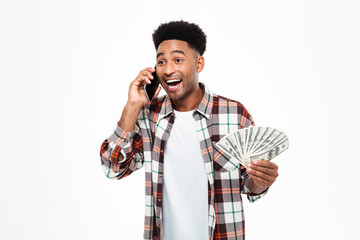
{"x":262,"y":175}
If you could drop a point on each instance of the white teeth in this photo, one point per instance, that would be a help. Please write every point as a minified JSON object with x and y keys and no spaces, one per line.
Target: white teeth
{"x":173,"y":81}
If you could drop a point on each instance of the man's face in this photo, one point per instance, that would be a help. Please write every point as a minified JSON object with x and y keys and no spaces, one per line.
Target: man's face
{"x":177,"y":67}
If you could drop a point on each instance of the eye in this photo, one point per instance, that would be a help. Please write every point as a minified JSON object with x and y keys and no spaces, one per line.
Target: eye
{"x":178,"y":60}
{"x":161,"y":62}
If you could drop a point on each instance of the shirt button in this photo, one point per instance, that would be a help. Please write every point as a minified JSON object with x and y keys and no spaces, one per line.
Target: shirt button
{"x":159,"y":199}
{"x":161,"y":151}
{"x":160,"y":175}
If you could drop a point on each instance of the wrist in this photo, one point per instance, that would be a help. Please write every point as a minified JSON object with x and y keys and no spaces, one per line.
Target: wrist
{"x":129,"y":117}
{"x":256,"y":189}
{"x":133,"y":107}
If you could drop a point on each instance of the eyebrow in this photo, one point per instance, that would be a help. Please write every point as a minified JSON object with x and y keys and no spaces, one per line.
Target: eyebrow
{"x":173,"y":52}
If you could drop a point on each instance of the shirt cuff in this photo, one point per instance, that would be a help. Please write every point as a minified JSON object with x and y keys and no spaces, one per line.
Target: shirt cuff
{"x":254,"y":197}
{"x":123,"y":139}
{"x":120,"y":137}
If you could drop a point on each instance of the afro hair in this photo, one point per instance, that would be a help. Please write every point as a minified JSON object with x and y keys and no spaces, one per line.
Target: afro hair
{"x":181,"y":30}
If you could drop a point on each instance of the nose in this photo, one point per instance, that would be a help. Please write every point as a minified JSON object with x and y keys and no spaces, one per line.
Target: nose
{"x":169,"y":69}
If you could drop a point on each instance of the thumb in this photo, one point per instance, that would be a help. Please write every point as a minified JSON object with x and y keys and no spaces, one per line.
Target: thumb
{"x":157,"y":91}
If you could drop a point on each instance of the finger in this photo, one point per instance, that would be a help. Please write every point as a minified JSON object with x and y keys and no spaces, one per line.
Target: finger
{"x":265,"y":163}
{"x":147,"y":79}
{"x":265,"y":170}
{"x":146,"y":71}
{"x":266,"y":177}
{"x":261,"y":182}
{"x":140,"y":81}
{"x":144,"y":79}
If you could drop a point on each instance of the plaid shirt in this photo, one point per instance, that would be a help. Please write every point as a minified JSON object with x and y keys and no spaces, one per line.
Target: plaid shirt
{"x":215,"y":117}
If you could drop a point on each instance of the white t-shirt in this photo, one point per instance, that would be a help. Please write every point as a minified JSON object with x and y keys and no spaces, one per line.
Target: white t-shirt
{"x":185,"y":189}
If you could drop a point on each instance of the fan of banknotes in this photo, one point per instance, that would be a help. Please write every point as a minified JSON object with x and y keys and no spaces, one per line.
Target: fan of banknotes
{"x":254,"y":143}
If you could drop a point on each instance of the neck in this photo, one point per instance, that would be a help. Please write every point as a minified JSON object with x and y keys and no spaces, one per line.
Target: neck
{"x":189,"y":103}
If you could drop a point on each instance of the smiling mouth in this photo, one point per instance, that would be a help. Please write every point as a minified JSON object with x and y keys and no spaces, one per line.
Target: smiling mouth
{"x":174,"y":83}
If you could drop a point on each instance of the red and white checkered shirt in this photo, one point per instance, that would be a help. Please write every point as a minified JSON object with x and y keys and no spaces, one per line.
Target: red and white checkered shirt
{"x":215,"y":117}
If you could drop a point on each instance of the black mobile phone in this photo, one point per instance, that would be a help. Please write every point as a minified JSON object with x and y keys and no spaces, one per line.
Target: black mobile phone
{"x":150,"y":89}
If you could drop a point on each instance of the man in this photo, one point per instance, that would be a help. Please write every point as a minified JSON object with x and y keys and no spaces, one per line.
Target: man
{"x":192,"y":187}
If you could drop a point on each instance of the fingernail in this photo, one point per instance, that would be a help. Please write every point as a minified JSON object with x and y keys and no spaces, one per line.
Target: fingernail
{"x":249,"y":169}
{"x":255,"y":162}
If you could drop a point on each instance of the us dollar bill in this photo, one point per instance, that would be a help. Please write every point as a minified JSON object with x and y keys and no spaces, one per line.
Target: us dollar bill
{"x":224,"y":144}
{"x":271,"y":153}
{"x":248,"y":144}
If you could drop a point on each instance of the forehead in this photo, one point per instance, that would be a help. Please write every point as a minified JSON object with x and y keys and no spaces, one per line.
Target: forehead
{"x":168,"y":46}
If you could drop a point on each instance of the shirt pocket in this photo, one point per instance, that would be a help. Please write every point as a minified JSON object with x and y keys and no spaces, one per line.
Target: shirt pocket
{"x":222,"y":161}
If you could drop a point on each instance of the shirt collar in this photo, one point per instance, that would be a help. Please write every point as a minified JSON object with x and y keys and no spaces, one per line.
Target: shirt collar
{"x":204,"y":107}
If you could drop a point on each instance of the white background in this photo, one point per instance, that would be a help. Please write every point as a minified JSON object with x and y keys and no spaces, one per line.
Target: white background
{"x":65,"y":67}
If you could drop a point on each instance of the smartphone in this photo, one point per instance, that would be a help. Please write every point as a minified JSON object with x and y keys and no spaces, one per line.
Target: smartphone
{"x":150,"y":89}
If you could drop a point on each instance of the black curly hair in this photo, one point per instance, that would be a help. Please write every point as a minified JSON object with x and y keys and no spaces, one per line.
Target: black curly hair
{"x":181,"y":30}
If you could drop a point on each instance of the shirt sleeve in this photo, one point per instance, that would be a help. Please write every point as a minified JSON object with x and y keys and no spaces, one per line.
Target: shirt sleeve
{"x":129,"y":145}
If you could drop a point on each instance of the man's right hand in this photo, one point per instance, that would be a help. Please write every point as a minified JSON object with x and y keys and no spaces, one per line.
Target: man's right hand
{"x":137,"y":96}
{"x":136,"y":99}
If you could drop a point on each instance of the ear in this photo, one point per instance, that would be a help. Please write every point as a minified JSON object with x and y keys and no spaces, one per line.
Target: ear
{"x":200,"y":64}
